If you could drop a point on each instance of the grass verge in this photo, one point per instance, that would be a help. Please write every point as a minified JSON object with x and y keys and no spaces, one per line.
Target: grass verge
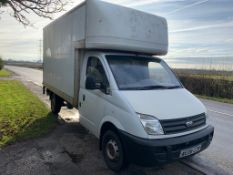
{"x":223,"y":100}
{"x":22,"y":114}
{"x":4,"y":73}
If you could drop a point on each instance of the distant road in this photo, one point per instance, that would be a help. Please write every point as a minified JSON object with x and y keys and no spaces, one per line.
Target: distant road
{"x":34,"y":75}
{"x":221,"y":116}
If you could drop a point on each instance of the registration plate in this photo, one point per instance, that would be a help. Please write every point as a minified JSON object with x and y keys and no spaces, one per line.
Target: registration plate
{"x":190,"y":151}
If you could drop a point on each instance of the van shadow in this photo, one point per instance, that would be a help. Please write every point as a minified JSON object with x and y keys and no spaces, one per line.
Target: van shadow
{"x":70,"y":148}
{"x":83,"y":150}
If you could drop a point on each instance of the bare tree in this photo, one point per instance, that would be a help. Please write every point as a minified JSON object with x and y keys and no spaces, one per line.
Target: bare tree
{"x":42,"y":8}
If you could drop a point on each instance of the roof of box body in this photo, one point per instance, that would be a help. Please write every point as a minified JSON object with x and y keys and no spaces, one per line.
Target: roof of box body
{"x":111,"y":26}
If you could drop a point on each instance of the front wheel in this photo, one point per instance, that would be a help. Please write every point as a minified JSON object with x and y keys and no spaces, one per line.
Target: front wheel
{"x":113,"y":152}
{"x":56,"y":103}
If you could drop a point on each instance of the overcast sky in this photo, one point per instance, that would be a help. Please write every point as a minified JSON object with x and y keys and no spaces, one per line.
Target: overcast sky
{"x":197,"y":28}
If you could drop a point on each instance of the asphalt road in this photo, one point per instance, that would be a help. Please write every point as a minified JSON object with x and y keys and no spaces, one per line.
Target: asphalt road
{"x":219,"y":154}
{"x":29,"y":74}
{"x":221,"y":149}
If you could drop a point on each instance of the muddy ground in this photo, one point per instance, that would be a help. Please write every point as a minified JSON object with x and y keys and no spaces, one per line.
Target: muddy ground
{"x":68,"y":150}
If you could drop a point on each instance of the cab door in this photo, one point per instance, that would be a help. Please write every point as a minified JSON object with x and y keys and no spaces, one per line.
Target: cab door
{"x":92,"y":103}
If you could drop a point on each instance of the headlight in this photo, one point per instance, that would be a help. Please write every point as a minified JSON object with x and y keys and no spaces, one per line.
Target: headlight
{"x":151,"y":125}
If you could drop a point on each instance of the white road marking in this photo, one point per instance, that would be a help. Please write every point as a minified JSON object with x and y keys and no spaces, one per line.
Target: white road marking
{"x":220,"y":112}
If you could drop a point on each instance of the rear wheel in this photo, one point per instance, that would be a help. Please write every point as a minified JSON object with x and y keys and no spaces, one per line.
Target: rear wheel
{"x":56,"y":103}
{"x":113,"y":152}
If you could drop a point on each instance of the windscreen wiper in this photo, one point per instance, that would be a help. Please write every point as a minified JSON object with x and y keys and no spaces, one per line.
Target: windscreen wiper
{"x":152,"y":87}
{"x":158,"y":87}
{"x":173,"y":87}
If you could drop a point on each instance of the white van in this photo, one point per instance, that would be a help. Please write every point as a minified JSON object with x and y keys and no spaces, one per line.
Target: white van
{"x":103,"y":60}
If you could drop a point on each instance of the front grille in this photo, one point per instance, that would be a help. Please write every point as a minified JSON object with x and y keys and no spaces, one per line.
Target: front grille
{"x":184,"y":124}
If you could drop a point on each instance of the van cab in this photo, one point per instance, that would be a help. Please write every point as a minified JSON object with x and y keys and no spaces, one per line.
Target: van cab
{"x":139,"y":110}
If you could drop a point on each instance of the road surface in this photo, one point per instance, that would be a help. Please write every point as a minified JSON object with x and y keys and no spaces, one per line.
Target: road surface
{"x":220,"y":153}
{"x":221,"y":149}
{"x":29,"y":74}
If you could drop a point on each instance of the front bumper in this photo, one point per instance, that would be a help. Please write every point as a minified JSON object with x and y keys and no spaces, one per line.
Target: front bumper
{"x":150,"y":152}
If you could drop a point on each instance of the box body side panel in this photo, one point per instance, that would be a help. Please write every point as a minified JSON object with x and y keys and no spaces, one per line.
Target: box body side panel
{"x":59,"y":51}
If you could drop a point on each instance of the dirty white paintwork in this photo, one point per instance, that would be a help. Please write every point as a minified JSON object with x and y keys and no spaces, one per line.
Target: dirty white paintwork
{"x":122,"y":107}
{"x":100,"y":25}
{"x":165,"y":104}
{"x":97,"y":25}
{"x":114,"y":27}
{"x":59,"y":50}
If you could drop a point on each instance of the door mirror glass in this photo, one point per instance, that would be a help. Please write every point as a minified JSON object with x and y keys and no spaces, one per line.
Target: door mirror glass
{"x":91,"y":83}
{"x":105,"y":88}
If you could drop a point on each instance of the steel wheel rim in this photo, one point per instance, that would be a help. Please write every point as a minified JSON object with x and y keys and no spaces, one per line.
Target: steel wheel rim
{"x":112,"y":150}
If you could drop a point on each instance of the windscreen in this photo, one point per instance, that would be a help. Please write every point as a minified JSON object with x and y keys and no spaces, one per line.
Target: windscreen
{"x":141,"y":73}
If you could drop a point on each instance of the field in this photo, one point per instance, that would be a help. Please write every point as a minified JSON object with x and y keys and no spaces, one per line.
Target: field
{"x":22,"y":114}
{"x":223,"y":100}
{"x":216,"y":77}
{"x":4,"y":73}
{"x":214,"y":85}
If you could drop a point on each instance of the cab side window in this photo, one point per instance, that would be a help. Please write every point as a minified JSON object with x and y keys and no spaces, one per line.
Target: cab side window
{"x":95,"y":69}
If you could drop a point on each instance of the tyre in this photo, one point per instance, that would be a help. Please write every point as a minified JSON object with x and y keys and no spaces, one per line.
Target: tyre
{"x":56,"y":104}
{"x":113,"y":152}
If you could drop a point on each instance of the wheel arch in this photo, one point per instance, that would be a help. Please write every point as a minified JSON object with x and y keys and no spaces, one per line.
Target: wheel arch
{"x":108,"y":123}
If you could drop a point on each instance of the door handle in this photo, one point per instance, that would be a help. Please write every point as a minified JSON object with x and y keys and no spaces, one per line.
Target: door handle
{"x":84,"y":97}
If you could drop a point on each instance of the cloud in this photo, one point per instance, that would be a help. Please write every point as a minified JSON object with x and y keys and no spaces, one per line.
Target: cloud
{"x":203,"y":31}
{"x":198,"y":52}
{"x":137,"y":3}
{"x":147,"y":2}
{"x":204,"y":27}
{"x":124,"y":2}
{"x":230,"y":40}
{"x":188,"y":6}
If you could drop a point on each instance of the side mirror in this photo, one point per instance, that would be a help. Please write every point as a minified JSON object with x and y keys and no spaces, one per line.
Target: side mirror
{"x":91,"y":83}
{"x":105,"y":89}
